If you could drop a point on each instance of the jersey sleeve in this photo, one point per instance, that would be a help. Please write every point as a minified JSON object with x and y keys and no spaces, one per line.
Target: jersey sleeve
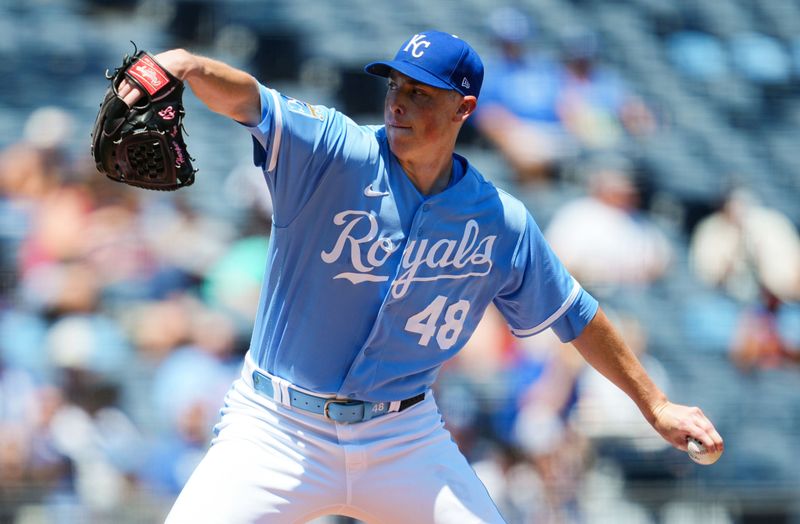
{"x":297,"y":144}
{"x":540,"y":293}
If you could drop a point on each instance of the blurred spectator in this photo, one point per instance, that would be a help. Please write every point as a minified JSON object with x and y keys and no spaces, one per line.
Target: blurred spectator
{"x":184,"y":239}
{"x":86,"y":339}
{"x":513,"y":484}
{"x":26,"y":176}
{"x":116,"y":246}
{"x":49,"y":128}
{"x":157,"y":328}
{"x":595,"y":104}
{"x":749,"y":257}
{"x":57,"y":231}
{"x":744,"y":246}
{"x":173,"y":455}
{"x":100,"y":441}
{"x":18,"y":410}
{"x":557,"y":453}
{"x":185,"y":392}
{"x":760,"y":341}
{"x":233,"y":283}
{"x":517,"y":112}
{"x":604,"y":239}
{"x":31,"y":468}
{"x":199,"y":371}
{"x":26,"y":173}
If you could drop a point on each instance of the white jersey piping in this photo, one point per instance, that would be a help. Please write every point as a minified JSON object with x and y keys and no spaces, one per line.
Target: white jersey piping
{"x":276,"y":141}
{"x":555,"y":316}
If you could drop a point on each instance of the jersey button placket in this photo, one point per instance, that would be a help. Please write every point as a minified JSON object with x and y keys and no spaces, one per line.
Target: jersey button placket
{"x":426,"y":207}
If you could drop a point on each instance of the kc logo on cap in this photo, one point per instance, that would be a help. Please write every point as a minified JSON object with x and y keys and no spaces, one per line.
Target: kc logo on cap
{"x":417,"y":41}
{"x":438,"y":59}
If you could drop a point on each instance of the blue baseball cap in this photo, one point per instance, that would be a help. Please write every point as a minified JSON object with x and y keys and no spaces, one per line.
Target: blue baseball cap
{"x":437,"y":59}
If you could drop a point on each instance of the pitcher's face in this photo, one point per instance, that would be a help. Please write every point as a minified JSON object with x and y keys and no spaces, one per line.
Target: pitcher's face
{"x":419,"y":116}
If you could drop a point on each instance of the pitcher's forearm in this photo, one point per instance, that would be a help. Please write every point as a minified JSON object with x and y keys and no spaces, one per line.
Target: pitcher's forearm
{"x":603,"y":348}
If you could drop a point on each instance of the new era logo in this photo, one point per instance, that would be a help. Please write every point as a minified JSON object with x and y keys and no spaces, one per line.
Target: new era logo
{"x":465,"y":83}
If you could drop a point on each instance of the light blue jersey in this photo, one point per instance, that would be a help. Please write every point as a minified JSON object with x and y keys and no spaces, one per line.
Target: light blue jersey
{"x":370,"y":286}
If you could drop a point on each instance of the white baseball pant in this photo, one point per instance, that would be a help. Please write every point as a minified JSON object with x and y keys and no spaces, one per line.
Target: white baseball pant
{"x":272,"y":464}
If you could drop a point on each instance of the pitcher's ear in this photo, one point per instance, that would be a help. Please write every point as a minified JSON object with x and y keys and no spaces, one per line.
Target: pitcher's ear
{"x":467,"y":107}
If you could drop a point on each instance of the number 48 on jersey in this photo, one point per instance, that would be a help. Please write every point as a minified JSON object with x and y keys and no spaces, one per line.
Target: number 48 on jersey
{"x":427,"y":324}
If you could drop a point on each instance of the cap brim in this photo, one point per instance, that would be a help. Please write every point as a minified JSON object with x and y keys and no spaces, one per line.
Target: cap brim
{"x":417,"y":73}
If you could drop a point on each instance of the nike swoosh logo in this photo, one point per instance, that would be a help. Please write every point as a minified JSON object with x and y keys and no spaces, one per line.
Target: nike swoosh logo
{"x":368,"y":191}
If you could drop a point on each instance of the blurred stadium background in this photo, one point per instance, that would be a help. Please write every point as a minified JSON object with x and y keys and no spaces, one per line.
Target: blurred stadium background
{"x":123,"y":314}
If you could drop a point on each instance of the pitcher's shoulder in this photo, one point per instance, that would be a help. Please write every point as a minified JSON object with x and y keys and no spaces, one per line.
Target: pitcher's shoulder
{"x":510,"y":206}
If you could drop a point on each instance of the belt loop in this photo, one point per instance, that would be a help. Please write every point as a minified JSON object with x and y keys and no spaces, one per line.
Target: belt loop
{"x":282,"y":391}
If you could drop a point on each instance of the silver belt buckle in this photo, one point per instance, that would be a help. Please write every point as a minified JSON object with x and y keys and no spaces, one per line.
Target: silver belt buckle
{"x":330,"y":401}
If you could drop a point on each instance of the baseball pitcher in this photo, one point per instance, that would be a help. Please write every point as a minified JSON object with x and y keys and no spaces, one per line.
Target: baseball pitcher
{"x":386,"y":249}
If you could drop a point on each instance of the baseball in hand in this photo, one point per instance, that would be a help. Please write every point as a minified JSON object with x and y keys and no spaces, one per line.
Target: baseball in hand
{"x":698,"y":453}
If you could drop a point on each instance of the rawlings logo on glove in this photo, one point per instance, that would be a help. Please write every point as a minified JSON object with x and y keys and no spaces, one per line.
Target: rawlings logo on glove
{"x":143,"y":145}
